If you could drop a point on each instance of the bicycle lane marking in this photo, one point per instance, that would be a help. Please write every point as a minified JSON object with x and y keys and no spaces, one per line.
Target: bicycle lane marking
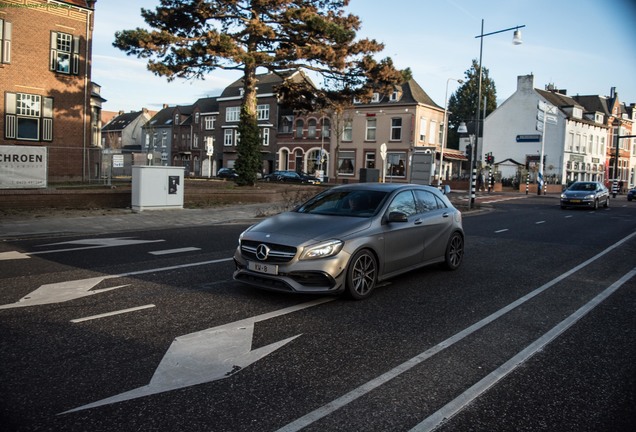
{"x":362,"y":390}
{"x":460,"y":402}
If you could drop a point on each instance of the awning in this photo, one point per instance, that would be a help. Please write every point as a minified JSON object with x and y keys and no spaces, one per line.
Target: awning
{"x":455,"y":156}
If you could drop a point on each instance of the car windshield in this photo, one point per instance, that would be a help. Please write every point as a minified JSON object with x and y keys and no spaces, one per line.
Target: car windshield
{"x":358,"y":203}
{"x":583,"y":186}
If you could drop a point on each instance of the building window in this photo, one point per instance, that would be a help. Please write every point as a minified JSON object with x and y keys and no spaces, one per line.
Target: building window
{"x":210,"y":122}
{"x":375,"y":97}
{"x":369,"y":160}
{"x":346,"y":162}
{"x":265,"y":136}
{"x":164,"y":139}
{"x":347,"y":131}
{"x":326,"y":128}
{"x":371,"y":128}
{"x":64,"y":53}
{"x":196,"y":118}
{"x":262,"y":112}
{"x":432,"y":132}
{"x":311,"y":128}
{"x":228,"y":137}
{"x":394,"y":96}
{"x":176,"y":119}
{"x":396,"y":164}
{"x":28,"y":117}
{"x":285,"y":125}
{"x":299,"y":128}
{"x":233,"y":114}
{"x":423,"y":129}
{"x":195,"y":141}
{"x":396,"y":129}
{"x":5,"y":41}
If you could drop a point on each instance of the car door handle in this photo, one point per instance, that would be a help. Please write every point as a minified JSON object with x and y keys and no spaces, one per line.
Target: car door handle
{"x":445,"y":215}
{"x":418,"y":221}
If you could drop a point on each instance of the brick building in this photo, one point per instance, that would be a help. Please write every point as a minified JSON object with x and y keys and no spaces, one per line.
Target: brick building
{"x":45,"y":83}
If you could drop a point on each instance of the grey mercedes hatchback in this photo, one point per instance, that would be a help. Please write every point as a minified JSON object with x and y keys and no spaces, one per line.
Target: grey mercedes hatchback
{"x":348,"y":238}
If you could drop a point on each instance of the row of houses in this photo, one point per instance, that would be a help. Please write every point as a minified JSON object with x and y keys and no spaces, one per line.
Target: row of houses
{"x":581,"y":137}
{"x":50,"y":103}
{"x":577,"y":136}
{"x":203,"y":137}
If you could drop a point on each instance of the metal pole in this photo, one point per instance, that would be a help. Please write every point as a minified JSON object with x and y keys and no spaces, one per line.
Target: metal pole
{"x":540,"y":174}
{"x":615,"y":185}
{"x":474,"y":161}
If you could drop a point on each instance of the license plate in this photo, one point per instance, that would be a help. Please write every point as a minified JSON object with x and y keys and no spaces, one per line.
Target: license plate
{"x":575,"y":201}
{"x":263,"y":268}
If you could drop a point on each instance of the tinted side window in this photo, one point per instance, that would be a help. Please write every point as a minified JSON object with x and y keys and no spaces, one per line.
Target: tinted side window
{"x":426,"y":201}
{"x":403,"y":202}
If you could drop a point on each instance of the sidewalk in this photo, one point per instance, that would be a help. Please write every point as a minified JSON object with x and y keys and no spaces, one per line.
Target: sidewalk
{"x":120,"y":220}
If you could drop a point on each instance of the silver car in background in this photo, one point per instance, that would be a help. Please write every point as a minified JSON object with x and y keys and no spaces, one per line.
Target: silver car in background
{"x":349,"y":238}
{"x":585,"y":194}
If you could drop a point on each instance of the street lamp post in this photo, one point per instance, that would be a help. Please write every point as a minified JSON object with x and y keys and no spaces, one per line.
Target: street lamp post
{"x":515,"y":40}
{"x":444,"y":133}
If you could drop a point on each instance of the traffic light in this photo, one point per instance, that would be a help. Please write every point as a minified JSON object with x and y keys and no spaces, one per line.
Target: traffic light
{"x":487,"y":158}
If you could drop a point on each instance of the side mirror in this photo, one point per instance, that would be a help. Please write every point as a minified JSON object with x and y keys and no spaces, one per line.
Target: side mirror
{"x":398,"y":217}
{"x":446,"y":189}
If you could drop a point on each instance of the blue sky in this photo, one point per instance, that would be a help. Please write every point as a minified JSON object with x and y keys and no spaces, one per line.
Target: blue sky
{"x":584,"y":46}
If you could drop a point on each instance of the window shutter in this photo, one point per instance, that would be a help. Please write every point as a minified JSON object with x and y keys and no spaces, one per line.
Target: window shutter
{"x":53,"y":65}
{"x":6,"y":41}
{"x":76,"y":55}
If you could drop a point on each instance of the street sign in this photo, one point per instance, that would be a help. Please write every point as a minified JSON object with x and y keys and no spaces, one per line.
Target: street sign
{"x":540,"y":126}
{"x":546,"y":107}
{"x":118,"y":161}
{"x":529,"y":138}
{"x":549,"y":118}
{"x":383,"y":151}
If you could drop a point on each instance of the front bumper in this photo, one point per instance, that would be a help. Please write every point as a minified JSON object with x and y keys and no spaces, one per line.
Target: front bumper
{"x":320,"y":276}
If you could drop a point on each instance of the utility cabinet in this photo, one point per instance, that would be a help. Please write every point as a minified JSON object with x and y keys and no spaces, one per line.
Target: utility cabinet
{"x":157,"y":187}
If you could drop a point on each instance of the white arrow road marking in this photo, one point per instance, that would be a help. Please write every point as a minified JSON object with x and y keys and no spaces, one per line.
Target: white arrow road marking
{"x":71,"y":290}
{"x":61,"y":292}
{"x":92,"y":244}
{"x":206,"y":356}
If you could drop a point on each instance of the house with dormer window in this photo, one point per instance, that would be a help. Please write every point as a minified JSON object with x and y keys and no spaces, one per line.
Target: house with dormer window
{"x":572,"y":136}
{"x":46,"y":90}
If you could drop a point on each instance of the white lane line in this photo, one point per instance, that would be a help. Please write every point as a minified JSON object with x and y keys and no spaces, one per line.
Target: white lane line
{"x":108,"y":314}
{"x":539,"y":222}
{"x":362,"y":390}
{"x":461,"y":401}
{"x":501,"y":230}
{"x":171,"y":251}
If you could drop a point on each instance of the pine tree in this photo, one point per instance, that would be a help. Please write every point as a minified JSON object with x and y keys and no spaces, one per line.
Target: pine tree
{"x":462,"y":105}
{"x":191,"y":38}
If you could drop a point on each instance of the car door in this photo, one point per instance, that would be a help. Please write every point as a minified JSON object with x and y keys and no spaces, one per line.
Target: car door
{"x":436,"y":220}
{"x":403,"y":241}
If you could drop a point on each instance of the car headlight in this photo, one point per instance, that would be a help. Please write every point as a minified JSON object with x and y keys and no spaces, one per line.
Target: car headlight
{"x":322,"y":250}
{"x":564,"y":196}
{"x":590,"y":196}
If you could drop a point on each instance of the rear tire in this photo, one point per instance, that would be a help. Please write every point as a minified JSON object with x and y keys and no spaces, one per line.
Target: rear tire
{"x":362,"y":275}
{"x":454,"y":252}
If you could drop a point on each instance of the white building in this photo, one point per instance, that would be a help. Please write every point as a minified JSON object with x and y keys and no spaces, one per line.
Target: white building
{"x":573,"y":142}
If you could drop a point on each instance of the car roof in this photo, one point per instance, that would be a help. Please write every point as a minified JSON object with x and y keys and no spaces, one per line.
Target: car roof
{"x":386,"y":187}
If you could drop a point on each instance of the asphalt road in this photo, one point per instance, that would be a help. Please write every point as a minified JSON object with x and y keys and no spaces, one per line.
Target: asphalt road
{"x":147,"y":331}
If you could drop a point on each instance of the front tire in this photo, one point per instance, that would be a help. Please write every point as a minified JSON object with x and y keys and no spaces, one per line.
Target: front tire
{"x":606,"y":205}
{"x":362,"y":275}
{"x":454,"y":252}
